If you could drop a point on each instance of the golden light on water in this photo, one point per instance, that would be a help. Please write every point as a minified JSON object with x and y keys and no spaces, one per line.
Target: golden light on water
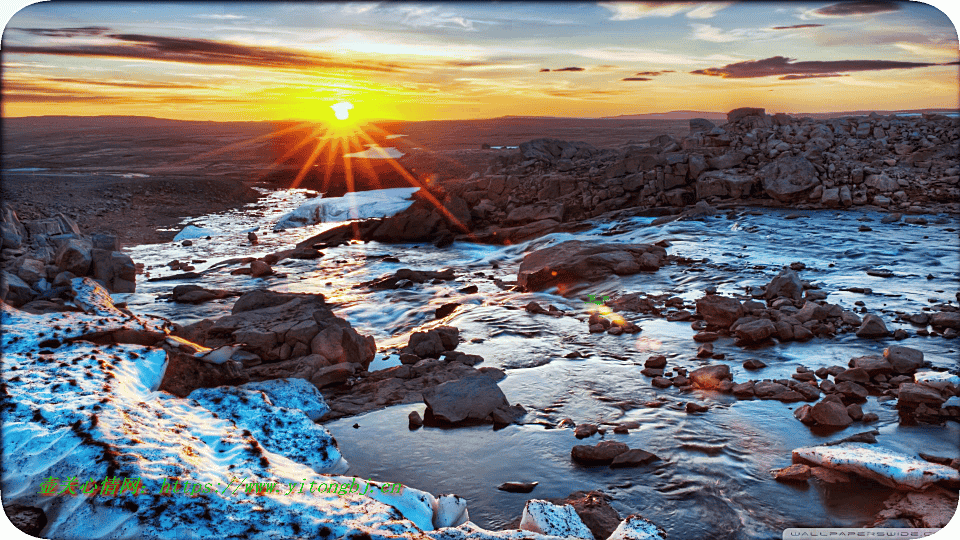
{"x":648,"y":344}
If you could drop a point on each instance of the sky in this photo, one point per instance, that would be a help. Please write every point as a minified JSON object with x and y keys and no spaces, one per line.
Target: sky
{"x":439,"y":61}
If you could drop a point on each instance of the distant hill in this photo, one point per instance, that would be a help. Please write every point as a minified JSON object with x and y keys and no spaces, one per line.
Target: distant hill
{"x":672,"y":115}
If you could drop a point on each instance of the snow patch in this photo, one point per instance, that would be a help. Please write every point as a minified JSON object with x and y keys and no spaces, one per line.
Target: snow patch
{"x":936,"y":379}
{"x":293,"y":394}
{"x":547,"y":518}
{"x":377,"y":152}
{"x":885,"y":466}
{"x":637,"y":528}
{"x":354,"y":205}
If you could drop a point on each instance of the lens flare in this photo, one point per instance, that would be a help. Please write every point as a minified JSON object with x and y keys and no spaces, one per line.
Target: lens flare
{"x":648,"y":344}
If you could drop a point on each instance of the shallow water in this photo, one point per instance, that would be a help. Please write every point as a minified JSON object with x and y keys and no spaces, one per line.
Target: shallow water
{"x":713,"y":478}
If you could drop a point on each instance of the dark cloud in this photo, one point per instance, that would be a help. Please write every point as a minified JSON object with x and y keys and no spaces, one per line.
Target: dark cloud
{"x":544,"y":69}
{"x":811,"y":76}
{"x":843,"y":9}
{"x":570,"y":69}
{"x":797,"y":26}
{"x":635,"y":79}
{"x":649,"y":73}
{"x":781,"y":65}
{"x":65,"y":32}
{"x":203,"y":51}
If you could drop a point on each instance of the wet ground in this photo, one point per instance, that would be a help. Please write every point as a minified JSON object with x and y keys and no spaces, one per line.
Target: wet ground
{"x":713,"y":478}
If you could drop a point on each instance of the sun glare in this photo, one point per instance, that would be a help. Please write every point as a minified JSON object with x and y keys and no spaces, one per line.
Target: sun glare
{"x":342,"y":110}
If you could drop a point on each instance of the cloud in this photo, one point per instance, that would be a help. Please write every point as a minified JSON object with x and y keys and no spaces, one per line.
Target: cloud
{"x":624,"y":54}
{"x":542,"y":70}
{"x":628,"y":11}
{"x":781,"y":65}
{"x":430,"y":17}
{"x":220,"y":17}
{"x":649,"y":73}
{"x":126,"y":84}
{"x":65,"y":32}
{"x":844,"y":9}
{"x":635,"y":79}
{"x":811,"y":76}
{"x":706,"y":32}
{"x":796,"y":26}
{"x":204,"y":52}
{"x":570,"y":69}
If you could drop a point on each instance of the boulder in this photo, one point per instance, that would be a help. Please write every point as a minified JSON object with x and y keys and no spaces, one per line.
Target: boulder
{"x":594,"y":510}
{"x":789,"y":178}
{"x":718,"y":310}
{"x":636,"y":527}
{"x":74,"y":255}
{"x":709,"y":377}
{"x":724,"y":184}
{"x":115,"y":269}
{"x":578,"y":261}
{"x":903,"y":360}
{"x":912,"y":394}
{"x":744,"y":112}
{"x":471,"y":399}
{"x":794,"y":473}
{"x":698,"y":125}
{"x":16,"y":292}
{"x":632,"y":458}
{"x":946,"y":319}
{"x":872,"y":327}
{"x":535,"y":212}
{"x":830,"y":413}
{"x":874,"y":365}
{"x":756,"y":331}
{"x":547,"y":518}
{"x":603,"y":453}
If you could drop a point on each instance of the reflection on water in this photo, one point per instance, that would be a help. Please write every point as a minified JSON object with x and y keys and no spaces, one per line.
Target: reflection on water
{"x":713,"y":478}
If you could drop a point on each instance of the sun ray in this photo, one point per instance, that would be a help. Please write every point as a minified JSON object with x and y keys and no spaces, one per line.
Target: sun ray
{"x":307,"y":165}
{"x":242,"y":144}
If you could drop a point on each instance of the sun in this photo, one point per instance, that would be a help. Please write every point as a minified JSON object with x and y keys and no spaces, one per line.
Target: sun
{"x":342,"y":110}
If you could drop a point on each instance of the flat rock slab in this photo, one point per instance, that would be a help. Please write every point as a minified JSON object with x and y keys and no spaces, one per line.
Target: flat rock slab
{"x":888,"y":467}
{"x":575,"y":261}
{"x":469,"y":399}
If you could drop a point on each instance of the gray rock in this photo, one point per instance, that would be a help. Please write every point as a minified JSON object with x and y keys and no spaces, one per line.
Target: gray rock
{"x":744,"y":112}
{"x":903,"y":360}
{"x":718,"y":310}
{"x":872,"y":327}
{"x":786,"y":284}
{"x":471,"y":399}
{"x":946,"y":319}
{"x":603,"y":453}
{"x":789,"y":178}
{"x":700,"y":124}
{"x":16,"y":292}
{"x":578,"y":261}
{"x":830,"y":413}
{"x":75,"y":256}
{"x":756,"y":331}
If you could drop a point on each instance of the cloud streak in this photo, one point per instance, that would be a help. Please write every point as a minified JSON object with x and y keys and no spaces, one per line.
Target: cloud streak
{"x":636,"y":79}
{"x":629,"y":11}
{"x":203,"y":52}
{"x":796,"y":26}
{"x":781,"y":65}
{"x":65,"y":32}
{"x":846,"y":9}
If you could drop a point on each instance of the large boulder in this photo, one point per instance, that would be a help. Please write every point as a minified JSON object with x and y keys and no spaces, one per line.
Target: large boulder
{"x":946,"y":319}
{"x":709,"y":377}
{"x":903,"y":360}
{"x":755,"y":331}
{"x":535,"y":212}
{"x":115,"y":269}
{"x":724,"y":184}
{"x":789,"y":178}
{"x":786,"y":284}
{"x":744,"y":112}
{"x":830,"y":413}
{"x":471,"y":399}
{"x":872,"y":327}
{"x":718,"y":310}
{"x":74,"y":255}
{"x":603,"y":453}
{"x":578,"y":261}
{"x":16,"y":291}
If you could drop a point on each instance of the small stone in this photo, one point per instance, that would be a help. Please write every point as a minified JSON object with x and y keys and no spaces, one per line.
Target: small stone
{"x":794,"y":473}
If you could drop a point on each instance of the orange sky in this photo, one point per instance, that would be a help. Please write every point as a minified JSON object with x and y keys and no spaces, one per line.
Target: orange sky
{"x":251,"y":61}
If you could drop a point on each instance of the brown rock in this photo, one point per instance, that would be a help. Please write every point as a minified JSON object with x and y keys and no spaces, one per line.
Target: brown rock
{"x":719,"y":311}
{"x":830,"y":413}
{"x":603,"y":453}
{"x":259,"y":268}
{"x":709,"y":377}
{"x":632,"y":458}
{"x":794,"y":473}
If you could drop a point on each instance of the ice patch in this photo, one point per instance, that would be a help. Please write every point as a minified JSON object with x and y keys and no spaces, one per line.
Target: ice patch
{"x":377,"y":152}
{"x":281,"y":430}
{"x":192,"y":231}
{"x":354,"y":205}
{"x":548,"y":518}
{"x":293,"y":394}
{"x":637,"y":528}
{"x":885,"y":466}
{"x":936,"y":379}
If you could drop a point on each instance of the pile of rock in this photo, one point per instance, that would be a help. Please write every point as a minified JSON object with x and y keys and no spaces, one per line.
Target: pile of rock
{"x":793,"y":311}
{"x":888,"y":161}
{"x":40,"y":257}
